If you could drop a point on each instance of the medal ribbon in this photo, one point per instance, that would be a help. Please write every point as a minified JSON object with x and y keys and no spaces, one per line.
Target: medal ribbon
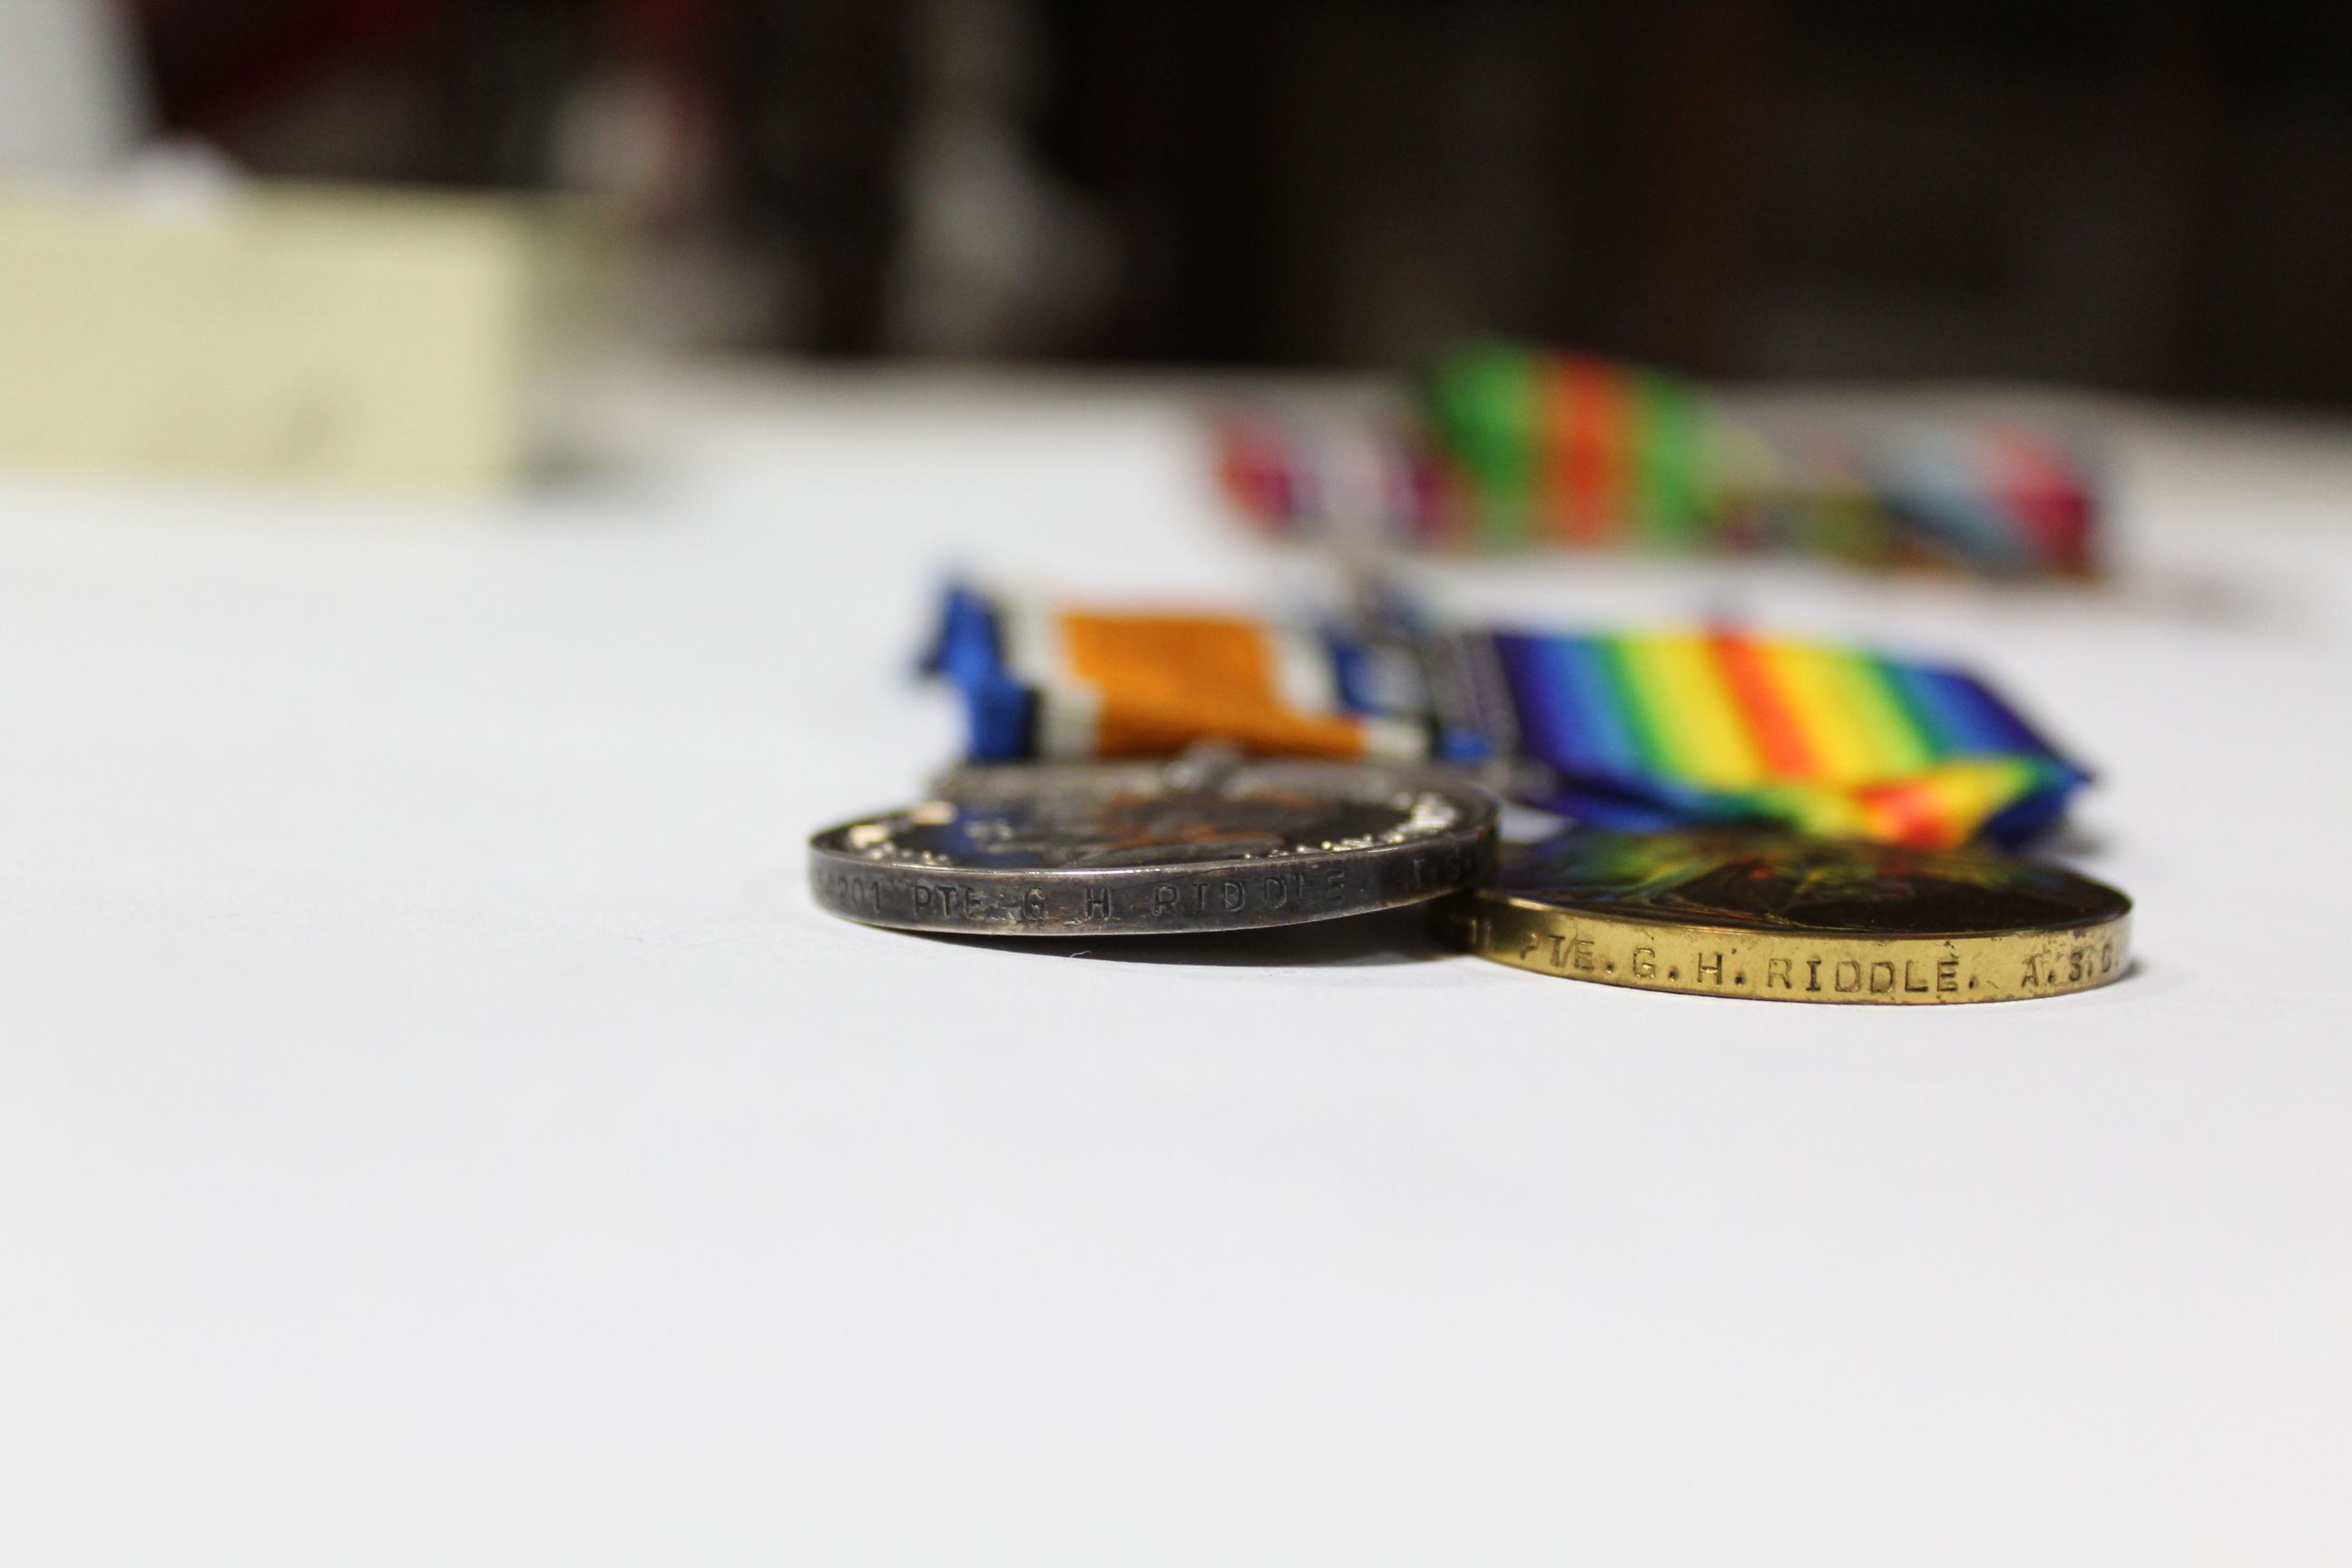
{"x":1639,"y":731}
{"x":1520,"y":447}
{"x":1655,"y":730}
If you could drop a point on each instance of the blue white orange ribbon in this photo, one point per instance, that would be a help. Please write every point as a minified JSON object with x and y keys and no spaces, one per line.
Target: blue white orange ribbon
{"x":1052,"y":682}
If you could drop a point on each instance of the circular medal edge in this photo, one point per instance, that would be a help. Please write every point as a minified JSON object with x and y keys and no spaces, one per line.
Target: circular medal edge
{"x":1240,"y":894}
{"x":1535,"y":905}
{"x":1149,"y":900}
{"x":1788,"y":966}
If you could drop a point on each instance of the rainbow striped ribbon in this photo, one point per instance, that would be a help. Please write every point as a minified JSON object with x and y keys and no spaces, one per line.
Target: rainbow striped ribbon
{"x":1655,"y":729}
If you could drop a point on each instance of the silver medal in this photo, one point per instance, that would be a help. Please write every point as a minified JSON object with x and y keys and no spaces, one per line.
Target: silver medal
{"x":1111,"y":849}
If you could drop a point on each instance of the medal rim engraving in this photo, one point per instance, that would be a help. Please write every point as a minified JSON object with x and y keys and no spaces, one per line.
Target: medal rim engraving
{"x":1629,"y":944}
{"x":1160,"y":898}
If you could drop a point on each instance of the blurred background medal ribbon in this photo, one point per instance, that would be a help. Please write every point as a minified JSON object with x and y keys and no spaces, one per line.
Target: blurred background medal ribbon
{"x":1638,"y":730}
{"x":1507,"y":447}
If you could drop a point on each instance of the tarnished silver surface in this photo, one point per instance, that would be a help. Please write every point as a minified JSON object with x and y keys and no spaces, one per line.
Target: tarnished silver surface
{"x":1146,"y":849}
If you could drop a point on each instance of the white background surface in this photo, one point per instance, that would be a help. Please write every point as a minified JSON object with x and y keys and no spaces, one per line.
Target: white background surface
{"x":436,"y":1126}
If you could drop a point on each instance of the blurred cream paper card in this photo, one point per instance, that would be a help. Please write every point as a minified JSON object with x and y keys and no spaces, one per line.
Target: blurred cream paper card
{"x":70,"y":90}
{"x":375,"y":337}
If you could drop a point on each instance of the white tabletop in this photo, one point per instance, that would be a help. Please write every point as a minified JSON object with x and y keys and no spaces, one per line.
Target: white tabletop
{"x":435,"y":1126}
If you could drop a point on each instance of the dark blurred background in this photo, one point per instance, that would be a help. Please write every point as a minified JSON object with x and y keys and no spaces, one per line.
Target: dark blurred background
{"x":2151,"y":196}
